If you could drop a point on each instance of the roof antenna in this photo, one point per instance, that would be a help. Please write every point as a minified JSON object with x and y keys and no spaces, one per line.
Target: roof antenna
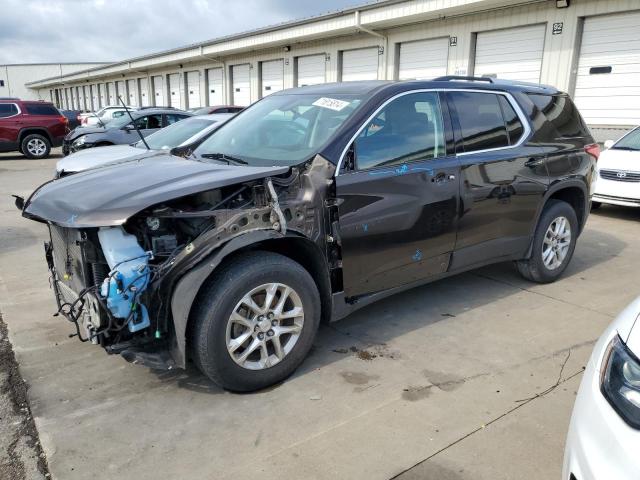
{"x":133,"y":122}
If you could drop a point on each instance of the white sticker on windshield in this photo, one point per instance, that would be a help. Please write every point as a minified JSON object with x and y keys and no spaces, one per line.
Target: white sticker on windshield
{"x":331,"y":103}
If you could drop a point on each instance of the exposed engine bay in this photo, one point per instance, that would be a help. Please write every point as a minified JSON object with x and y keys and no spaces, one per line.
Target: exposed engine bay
{"x":116,"y":283}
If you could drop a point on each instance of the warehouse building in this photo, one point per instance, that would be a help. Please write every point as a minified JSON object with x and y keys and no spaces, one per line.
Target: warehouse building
{"x":14,"y":77}
{"x":589,"y":48}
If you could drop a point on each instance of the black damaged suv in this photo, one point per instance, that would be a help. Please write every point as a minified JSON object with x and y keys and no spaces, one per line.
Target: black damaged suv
{"x":308,"y":205}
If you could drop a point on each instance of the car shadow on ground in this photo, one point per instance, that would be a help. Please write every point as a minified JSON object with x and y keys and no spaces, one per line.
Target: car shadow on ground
{"x":367,"y":333}
{"x":618,"y":212}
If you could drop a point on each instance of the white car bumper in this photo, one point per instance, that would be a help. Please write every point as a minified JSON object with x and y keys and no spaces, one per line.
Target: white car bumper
{"x":600,"y":445}
{"x":617,"y":192}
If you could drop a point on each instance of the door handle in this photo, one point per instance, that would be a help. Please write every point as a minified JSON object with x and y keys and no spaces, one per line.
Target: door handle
{"x":534,"y":162}
{"x":443,"y":177}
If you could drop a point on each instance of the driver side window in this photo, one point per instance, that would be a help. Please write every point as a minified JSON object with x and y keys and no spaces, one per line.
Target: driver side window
{"x":408,"y":129}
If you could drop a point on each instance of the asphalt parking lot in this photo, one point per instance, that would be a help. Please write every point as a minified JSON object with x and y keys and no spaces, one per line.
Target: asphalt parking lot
{"x":472,"y":377}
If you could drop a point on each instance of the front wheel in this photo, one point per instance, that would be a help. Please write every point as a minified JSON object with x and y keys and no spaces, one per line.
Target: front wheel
{"x":255,"y":321}
{"x":553,"y":244}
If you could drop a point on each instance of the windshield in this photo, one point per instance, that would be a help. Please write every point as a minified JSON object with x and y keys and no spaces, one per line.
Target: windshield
{"x":631,"y":141}
{"x":280,"y":129}
{"x":175,"y":134}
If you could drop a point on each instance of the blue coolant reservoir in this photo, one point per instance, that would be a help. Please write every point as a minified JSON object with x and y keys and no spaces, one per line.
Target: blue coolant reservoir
{"x":128,"y":278}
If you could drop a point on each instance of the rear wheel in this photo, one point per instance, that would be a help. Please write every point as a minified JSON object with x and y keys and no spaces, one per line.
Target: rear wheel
{"x":35,"y":146}
{"x":255,"y":321}
{"x":553,"y":243}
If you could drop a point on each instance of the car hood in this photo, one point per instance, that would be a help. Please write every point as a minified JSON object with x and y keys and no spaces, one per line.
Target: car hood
{"x":619,"y":160}
{"x":76,"y":132}
{"x":95,"y":157}
{"x":108,"y":196}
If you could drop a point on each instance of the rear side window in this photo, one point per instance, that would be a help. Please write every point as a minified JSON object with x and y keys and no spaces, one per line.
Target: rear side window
{"x":173,"y":118}
{"x":515,"y":129}
{"x":8,"y":110}
{"x":38,"y":109}
{"x":562,"y":113}
{"x":481,"y":121}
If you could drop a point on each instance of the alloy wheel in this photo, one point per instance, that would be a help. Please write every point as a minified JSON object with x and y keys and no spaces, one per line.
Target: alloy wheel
{"x":36,"y":147}
{"x":556,"y":243}
{"x":264,"y":326}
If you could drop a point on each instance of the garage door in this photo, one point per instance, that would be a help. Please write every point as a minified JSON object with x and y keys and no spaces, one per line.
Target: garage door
{"x":423,"y":59}
{"x":360,"y":64}
{"x":95,"y":97}
{"x":87,"y":97}
{"x":193,"y":89}
{"x":241,"y":85}
{"x":132,"y":89}
{"x":101,"y":94}
{"x":513,"y":53}
{"x":608,"y":80}
{"x":215,"y":92}
{"x":311,"y":70}
{"x":158,"y":91}
{"x":79,"y":98}
{"x":272,"y":77}
{"x":111,"y":93}
{"x":174,"y":90}
{"x":121,"y":92}
{"x":144,"y":92}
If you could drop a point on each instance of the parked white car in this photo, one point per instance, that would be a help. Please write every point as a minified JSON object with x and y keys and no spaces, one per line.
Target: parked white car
{"x":604,"y":434}
{"x":104,"y":115}
{"x":185,"y":133}
{"x":619,"y":172}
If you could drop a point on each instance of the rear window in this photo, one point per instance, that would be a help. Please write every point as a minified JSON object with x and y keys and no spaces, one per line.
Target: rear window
{"x":41,"y":109}
{"x":481,"y":121}
{"x":562,"y":114}
{"x":8,"y":110}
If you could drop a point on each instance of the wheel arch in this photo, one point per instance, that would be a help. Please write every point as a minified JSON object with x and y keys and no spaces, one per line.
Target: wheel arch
{"x":575,"y":193}
{"x":298,"y":248}
{"x":37,"y":130}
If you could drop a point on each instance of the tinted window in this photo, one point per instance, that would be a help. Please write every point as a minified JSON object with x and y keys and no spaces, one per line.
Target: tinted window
{"x":515,"y":129}
{"x":149,"y":122}
{"x":37,"y":109}
{"x":173,"y":118}
{"x":408,"y":129}
{"x":7,"y":110}
{"x":481,"y":121}
{"x":562,"y":113}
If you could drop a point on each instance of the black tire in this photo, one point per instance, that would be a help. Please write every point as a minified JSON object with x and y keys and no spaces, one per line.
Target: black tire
{"x":534,"y":268}
{"x":595,"y":205}
{"x":217,"y":301}
{"x":29,"y":143}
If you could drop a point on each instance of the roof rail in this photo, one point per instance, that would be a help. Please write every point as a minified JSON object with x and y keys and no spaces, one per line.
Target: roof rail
{"x":9,"y":98}
{"x":448,"y":78}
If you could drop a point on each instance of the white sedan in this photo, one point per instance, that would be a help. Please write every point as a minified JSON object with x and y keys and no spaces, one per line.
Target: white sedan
{"x":604,"y":435}
{"x":619,"y":172}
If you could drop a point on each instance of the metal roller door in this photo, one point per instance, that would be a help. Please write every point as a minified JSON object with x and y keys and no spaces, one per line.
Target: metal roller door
{"x":608,"y":79}
{"x":193,"y":89}
{"x":175,"y":90}
{"x":158,"y":91}
{"x":215,"y":92}
{"x":311,"y":70}
{"x":80,"y":98}
{"x":144,"y":92}
{"x":95,"y":98}
{"x":111,"y":93}
{"x":87,"y":97}
{"x":423,"y":59}
{"x":121,"y":92}
{"x":271,"y":77}
{"x":241,"y":85}
{"x":101,"y":94}
{"x":512,"y":53}
{"x":132,"y":90}
{"x":360,"y":64}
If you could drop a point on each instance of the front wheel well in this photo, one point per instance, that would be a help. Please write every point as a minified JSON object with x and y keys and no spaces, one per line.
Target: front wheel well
{"x":304,"y":252}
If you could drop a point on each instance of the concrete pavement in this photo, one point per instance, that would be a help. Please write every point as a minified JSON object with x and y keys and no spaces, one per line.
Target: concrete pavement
{"x":439,"y":382}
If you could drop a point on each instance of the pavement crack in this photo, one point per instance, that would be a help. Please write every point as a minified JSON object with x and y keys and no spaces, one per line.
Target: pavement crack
{"x":550,"y":297}
{"x":521,"y":403}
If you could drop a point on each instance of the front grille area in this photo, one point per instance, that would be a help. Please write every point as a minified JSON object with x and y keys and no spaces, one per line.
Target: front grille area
{"x":620,"y":175}
{"x":68,"y":258}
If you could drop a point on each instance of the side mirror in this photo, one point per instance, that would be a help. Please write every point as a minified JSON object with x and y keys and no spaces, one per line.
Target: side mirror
{"x":608,"y":144}
{"x":128,"y":128}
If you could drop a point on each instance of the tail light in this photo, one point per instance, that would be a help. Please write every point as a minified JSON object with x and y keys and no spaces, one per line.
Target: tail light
{"x":63,"y":119}
{"x":593,"y":150}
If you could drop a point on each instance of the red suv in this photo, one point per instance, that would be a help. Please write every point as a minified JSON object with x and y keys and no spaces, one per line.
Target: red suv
{"x":30,"y":127}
